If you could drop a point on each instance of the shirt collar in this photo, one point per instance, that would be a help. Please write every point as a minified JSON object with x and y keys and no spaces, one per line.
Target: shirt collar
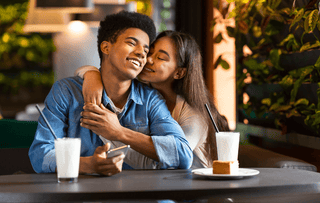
{"x":134,"y":95}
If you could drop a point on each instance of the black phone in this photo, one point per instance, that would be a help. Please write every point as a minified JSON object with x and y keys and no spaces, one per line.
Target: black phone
{"x":117,"y":151}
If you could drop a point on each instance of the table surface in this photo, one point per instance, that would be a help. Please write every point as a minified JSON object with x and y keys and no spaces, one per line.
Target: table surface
{"x":155,"y":184}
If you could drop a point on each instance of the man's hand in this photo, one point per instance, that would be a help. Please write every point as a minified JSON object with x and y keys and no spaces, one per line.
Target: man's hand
{"x":92,"y":87}
{"x":106,"y":166}
{"x":101,"y":121}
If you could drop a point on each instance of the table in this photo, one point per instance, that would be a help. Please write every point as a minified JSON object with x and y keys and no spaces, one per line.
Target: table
{"x":156,"y":184}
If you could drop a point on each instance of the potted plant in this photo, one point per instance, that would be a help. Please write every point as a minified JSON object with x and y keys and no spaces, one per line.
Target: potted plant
{"x":283,"y":62}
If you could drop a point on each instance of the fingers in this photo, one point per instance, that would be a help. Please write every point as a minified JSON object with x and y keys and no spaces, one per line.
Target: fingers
{"x":102,"y":149}
{"x":113,"y":166}
{"x":91,"y":107}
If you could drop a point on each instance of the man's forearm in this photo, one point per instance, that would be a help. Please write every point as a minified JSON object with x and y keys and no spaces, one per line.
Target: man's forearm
{"x":140,"y":142}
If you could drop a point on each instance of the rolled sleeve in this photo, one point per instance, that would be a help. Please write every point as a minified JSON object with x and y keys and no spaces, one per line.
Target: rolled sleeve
{"x":171,"y":145}
{"x":166,"y":150}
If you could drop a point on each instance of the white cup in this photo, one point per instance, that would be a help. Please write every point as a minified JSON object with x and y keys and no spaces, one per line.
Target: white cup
{"x":228,"y":145}
{"x":67,"y":159}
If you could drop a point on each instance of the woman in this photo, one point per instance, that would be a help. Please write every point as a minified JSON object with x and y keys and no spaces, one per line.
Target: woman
{"x":174,"y":68}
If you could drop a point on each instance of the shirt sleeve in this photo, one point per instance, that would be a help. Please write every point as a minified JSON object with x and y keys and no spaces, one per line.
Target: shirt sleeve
{"x":42,"y":150}
{"x":83,"y":69}
{"x":171,"y":145}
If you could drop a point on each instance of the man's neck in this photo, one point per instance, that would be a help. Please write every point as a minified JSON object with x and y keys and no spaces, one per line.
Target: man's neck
{"x":116,"y":89}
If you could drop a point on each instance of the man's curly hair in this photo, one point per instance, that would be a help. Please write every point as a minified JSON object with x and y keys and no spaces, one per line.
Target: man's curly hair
{"x":113,"y":25}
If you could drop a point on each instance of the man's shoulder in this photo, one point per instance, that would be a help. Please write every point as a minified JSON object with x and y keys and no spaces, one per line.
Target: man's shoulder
{"x":68,"y":85}
{"x":70,"y":80}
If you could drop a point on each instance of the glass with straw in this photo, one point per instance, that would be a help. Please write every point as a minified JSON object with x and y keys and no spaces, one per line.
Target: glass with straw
{"x":67,"y":155}
{"x":227,"y":142}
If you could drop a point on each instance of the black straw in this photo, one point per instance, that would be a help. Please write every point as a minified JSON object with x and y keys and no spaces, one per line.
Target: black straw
{"x":45,"y":119}
{"x":214,"y":123}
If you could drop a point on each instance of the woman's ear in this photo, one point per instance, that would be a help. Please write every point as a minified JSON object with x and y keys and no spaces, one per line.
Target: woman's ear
{"x":104,"y":46}
{"x":180,"y":73}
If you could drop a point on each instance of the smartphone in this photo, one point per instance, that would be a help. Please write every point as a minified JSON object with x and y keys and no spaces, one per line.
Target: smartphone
{"x":117,"y":151}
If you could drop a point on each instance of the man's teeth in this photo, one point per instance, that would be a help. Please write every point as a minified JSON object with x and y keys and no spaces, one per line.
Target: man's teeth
{"x":136,"y":63}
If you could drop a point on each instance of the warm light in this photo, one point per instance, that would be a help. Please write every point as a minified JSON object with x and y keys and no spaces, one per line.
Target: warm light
{"x":245,"y":98}
{"x":77,"y":26}
{"x":140,"y":5}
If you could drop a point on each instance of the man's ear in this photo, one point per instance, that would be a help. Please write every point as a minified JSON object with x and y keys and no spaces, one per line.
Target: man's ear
{"x":104,"y":46}
{"x":180,"y":73}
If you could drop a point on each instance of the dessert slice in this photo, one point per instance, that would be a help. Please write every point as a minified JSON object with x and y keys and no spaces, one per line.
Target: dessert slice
{"x":225,"y":167}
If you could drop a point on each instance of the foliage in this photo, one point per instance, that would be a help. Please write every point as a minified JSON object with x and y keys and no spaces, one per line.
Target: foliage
{"x":24,"y":57}
{"x":272,"y":29}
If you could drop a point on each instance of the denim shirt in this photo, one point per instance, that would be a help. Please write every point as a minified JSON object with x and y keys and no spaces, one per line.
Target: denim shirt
{"x":145,"y":112}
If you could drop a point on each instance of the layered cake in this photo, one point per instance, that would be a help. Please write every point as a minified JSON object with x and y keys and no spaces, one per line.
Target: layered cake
{"x":225,"y":167}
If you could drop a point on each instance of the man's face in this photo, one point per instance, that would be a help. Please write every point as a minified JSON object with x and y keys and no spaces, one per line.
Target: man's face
{"x":128,"y":55}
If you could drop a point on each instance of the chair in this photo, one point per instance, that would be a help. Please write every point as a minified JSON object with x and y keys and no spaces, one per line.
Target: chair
{"x":16,"y":138}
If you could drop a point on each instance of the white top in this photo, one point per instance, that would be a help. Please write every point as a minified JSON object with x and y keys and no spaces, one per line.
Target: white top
{"x":196,"y":130}
{"x":192,"y":124}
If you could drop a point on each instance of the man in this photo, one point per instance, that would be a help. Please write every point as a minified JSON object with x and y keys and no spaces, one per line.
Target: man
{"x":142,"y":120}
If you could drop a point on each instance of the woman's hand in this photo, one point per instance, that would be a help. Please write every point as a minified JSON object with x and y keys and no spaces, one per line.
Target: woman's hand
{"x":92,"y":87}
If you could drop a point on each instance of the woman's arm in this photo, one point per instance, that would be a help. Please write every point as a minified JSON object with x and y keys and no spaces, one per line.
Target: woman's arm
{"x":92,"y":84}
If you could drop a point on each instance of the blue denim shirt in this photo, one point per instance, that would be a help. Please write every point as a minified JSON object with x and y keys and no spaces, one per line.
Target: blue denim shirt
{"x":145,"y":112}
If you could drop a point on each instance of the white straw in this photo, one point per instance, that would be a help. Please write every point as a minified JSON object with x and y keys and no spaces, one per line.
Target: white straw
{"x":45,"y":119}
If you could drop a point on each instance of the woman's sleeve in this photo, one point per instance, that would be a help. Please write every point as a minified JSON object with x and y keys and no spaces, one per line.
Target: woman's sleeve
{"x":83,"y":69}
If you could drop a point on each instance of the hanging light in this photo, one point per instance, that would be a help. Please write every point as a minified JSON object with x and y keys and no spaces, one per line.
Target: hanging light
{"x":69,"y":6}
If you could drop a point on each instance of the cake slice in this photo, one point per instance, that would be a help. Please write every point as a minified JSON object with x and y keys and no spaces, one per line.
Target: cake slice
{"x":225,"y":167}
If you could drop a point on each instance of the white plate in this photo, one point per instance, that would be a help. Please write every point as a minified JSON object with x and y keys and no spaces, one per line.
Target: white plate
{"x":207,"y":172}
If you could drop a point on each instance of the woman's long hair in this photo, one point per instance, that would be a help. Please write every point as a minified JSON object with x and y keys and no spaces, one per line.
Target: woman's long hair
{"x":192,"y":86}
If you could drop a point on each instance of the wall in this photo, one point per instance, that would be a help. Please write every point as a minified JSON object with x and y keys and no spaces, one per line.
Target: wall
{"x":75,"y":49}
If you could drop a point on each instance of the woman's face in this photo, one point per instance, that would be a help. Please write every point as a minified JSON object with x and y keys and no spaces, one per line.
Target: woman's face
{"x":161,"y":62}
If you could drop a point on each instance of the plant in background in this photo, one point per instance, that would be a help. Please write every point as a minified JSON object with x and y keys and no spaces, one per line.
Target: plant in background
{"x":24,"y":58}
{"x":276,"y":33}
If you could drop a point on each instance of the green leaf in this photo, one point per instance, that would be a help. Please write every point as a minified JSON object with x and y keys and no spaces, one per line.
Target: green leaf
{"x":266,"y":101}
{"x":218,"y":38}
{"x":306,"y":26}
{"x":287,"y":39}
{"x":230,"y":31}
{"x":275,"y":57}
{"x":308,"y":46}
{"x":317,"y":64}
{"x":297,"y":18}
{"x":224,"y":64}
{"x":304,"y":72}
{"x":216,"y":64}
{"x":302,"y":101}
{"x":286,"y":81}
{"x":313,"y":19}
